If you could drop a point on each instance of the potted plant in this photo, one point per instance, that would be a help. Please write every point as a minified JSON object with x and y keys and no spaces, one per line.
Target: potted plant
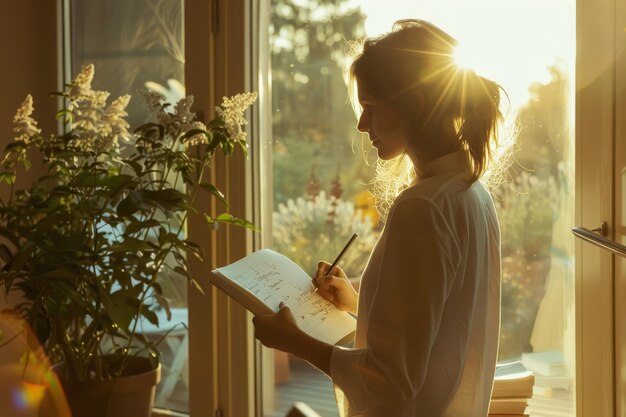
{"x":89,"y":244}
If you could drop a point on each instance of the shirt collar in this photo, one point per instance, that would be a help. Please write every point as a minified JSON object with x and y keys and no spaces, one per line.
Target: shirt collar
{"x":455,"y":161}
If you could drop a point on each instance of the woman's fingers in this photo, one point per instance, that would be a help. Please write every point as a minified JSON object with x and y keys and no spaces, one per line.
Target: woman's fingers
{"x":329,"y":287}
{"x":322,"y":283}
{"x":329,"y":282}
{"x":324,"y":288}
{"x":322,"y":267}
{"x":285,"y":313}
{"x":327,"y":294}
{"x":276,"y":330}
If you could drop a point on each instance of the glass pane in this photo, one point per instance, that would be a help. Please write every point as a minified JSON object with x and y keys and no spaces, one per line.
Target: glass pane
{"x":135,"y":46}
{"x":320,"y":170}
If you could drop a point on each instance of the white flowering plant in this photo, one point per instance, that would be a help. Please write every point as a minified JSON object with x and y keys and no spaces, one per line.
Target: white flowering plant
{"x":327,"y":223}
{"x":89,"y":243}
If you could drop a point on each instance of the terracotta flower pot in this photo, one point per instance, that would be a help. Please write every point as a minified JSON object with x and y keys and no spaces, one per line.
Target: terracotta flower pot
{"x":131,"y":395}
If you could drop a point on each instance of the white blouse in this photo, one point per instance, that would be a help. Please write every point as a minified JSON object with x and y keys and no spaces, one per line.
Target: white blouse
{"x":428,"y":314}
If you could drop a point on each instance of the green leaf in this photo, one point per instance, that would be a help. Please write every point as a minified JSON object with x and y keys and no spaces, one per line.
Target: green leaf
{"x":118,"y":182}
{"x":22,"y":256}
{"x":158,"y":290}
{"x":131,"y":204}
{"x":198,"y":287}
{"x":7,"y":279}
{"x":7,"y":177}
{"x":217,"y":122}
{"x":195,"y":249}
{"x":150,"y":127}
{"x":121,"y":306}
{"x":5,"y":253}
{"x":135,"y":227}
{"x":65,"y":272}
{"x":17,"y":144}
{"x":211,"y":222}
{"x":182,"y":271}
{"x":218,"y":138}
{"x":150,"y":316}
{"x":67,"y":290}
{"x":213,"y":190}
{"x":244,"y":148}
{"x":131,"y":245}
{"x":230,"y":219}
{"x":162,"y":301}
{"x":228,"y":146}
{"x":167,"y":200}
{"x":65,"y":114}
{"x":10,"y":235}
{"x":194,"y":132}
{"x":89,"y":179}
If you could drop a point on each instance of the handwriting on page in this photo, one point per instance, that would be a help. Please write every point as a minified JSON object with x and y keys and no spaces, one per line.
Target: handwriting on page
{"x":268,"y":283}
{"x":322,"y":320}
{"x":273,"y":278}
{"x":264,"y":281}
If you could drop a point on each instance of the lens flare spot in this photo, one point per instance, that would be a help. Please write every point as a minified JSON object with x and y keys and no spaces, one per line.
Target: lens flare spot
{"x":28,"y":396}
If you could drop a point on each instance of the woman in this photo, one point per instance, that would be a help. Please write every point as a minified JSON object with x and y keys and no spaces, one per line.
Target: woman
{"x":428,"y":309}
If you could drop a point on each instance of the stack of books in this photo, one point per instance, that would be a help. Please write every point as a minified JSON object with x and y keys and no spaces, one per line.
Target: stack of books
{"x":550,"y":370}
{"x":512,"y":387}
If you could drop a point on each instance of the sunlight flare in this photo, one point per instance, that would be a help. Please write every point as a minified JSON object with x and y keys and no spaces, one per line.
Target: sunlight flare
{"x":465,"y":57}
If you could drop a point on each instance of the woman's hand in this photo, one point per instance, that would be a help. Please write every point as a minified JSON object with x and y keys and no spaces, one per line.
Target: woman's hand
{"x":278,"y":330}
{"x":336,"y":288}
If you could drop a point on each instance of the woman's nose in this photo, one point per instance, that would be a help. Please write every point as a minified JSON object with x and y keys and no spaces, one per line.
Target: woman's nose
{"x":363,"y":125}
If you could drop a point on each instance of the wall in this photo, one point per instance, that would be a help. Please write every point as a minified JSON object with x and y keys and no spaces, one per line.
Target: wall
{"x":28,"y":39}
{"x":29,"y":61}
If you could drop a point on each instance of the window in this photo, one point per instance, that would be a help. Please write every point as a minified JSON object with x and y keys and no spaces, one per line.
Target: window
{"x":319,"y":168}
{"x":599,"y":36}
{"x":134,"y":46}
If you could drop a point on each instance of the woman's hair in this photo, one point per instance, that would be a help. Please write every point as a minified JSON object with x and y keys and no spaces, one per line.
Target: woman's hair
{"x":413,"y":67}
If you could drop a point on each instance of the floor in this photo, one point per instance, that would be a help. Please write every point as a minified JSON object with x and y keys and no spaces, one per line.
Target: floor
{"x":315,"y":389}
{"x":312,"y":387}
{"x":307,"y":385}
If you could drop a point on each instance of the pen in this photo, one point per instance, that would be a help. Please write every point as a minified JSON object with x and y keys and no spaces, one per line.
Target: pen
{"x":334,"y":264}
{"x":343,"y":252}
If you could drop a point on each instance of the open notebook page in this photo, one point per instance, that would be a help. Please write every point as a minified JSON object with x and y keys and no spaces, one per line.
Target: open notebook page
{"x":272,"y":278}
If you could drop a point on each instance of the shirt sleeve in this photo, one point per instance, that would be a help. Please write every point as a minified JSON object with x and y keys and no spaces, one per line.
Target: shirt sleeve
{"x":417,"y":271}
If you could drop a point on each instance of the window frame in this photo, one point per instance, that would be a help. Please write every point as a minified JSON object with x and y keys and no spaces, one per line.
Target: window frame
{"x":221,"y":349}
{"x":595,"y":203}
{"x":620,"y":211}
{"x":63,"y":22}
{"x":599,"y":390}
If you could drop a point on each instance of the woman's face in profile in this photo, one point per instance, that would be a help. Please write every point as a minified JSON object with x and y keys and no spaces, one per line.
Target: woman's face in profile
{"x":384,"y":125}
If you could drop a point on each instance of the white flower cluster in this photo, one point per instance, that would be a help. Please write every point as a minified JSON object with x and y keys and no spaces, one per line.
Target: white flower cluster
{"x":232,"y":113}
{"x":310,"y":230}
{"x":154,"y":101}
{"x":180,"y":121}
{"x":96,"y":128}
{"x":25,"y":126}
